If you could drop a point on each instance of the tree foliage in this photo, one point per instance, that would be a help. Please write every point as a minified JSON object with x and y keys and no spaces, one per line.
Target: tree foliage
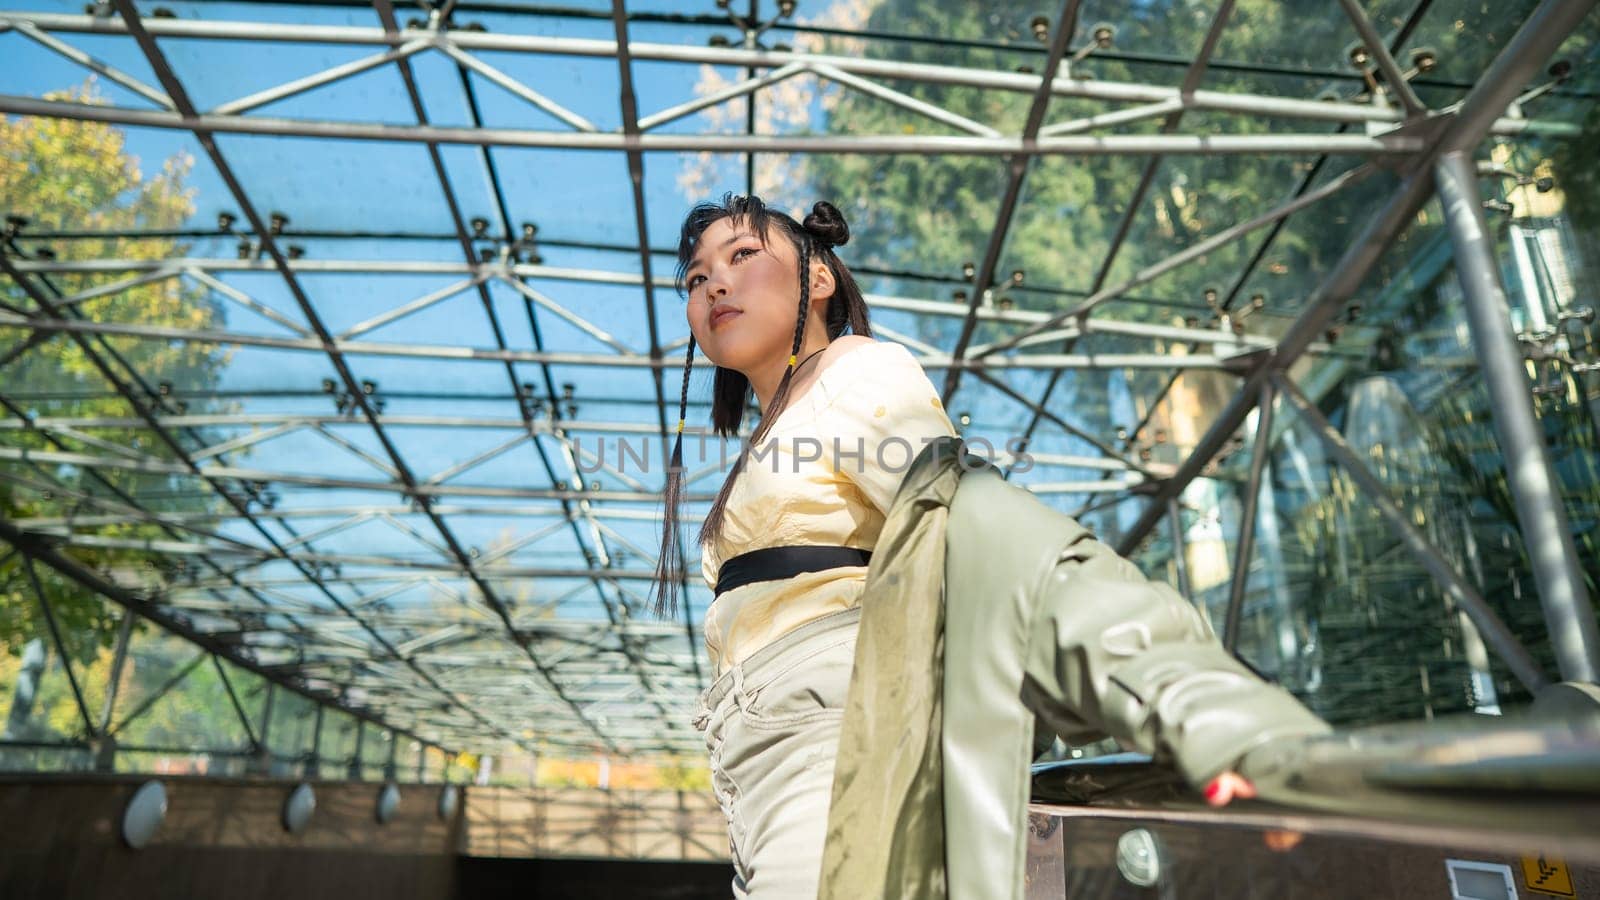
{"x":74,"y":176}
{"x":932,"y":214}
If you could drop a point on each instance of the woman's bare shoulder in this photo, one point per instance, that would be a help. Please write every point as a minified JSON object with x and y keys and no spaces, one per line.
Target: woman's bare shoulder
{"x":857,"y":350}
{"x":844,"y":342}
{"x":841,"y":347}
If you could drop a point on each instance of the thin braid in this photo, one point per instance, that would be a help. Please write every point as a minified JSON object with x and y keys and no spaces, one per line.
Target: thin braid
{"x":713,"y":521}
{"x":805,"y":301}
{"x":781,"y":395}
{"x":683,"y":394}
{"x":669,"y":565}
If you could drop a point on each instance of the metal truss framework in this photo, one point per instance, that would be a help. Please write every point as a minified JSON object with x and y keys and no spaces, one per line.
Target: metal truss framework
{"x":101,"y":733}
{"x":240,"y":579}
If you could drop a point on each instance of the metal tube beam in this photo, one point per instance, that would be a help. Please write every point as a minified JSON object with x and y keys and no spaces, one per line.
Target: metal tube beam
{"x":1062,"y":86}
{"x":1110,"y":451}
{"x":904,"y":101}
{"x":114,"y":677}
{"x":1522,"y":59}
{"x":125,"y":284}
{"x":1541,"y":512}
{"x":412,"y":307}
{"x":1119,"y":117}
{"x":1226,"y":236}
{"x":1499,"y":637}
{"x":212,"y":420}
{"x":353,"y":771}
{"x":749,"y":85}
{"x":316,"y":80}
{"x":160,"y":692}
{"x":514,"y":86}
{"x":414,"y":489}
{"x":914,"y":145}
{"x":1191,"y":81}
{"x":1518,"y":61}
{"x":246,"y":301}
{"x":44,"y":302}
{"x":1071,"y":331}
{"x":264,"y":755}
{"x":521,"y":270}
{"x":111,"y":73}
{"x":1392,"y":76}
{"x":61,"y":647}
{"x":314,"y":758}
{"x":34,"y":548}
{"x":493,"y":354}
{"x":1180,"y":558}
{"x":1247,"y":521}
{"x":244,"y":718}
{"x":45,"y":524}
{"x":388,"y":766}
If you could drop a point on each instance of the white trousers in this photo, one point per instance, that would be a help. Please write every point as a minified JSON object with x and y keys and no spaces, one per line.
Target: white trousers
{"x":772,"y":727}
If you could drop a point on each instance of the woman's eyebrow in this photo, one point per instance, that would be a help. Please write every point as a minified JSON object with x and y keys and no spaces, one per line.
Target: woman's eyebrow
{"x":697,"y":263}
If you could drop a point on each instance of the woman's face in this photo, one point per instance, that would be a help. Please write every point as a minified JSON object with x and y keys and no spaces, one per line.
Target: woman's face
{"x":743,"y":296}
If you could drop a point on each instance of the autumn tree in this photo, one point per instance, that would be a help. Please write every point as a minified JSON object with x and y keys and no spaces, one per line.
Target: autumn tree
{"x":64,"y":177}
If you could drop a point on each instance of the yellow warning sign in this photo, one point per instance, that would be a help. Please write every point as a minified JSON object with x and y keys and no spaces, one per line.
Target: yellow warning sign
{"x":1548,"y":875}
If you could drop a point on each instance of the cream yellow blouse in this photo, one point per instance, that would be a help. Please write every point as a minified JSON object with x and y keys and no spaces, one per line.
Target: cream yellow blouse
{"x":825,"y":475}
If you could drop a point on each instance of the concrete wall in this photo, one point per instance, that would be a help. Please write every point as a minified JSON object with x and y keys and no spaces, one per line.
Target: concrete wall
{"x":60,"y":838}
{"x":585,"y":822}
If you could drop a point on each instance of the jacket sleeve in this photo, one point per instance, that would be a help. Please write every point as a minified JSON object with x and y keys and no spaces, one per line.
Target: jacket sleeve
{"x":1112,"y":652}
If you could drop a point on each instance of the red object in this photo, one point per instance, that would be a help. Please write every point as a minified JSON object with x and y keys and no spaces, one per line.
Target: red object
{"x":1213,"y":788}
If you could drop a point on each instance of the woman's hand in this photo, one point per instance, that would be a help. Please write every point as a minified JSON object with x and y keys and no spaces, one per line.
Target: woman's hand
{"x":1227,"y":787}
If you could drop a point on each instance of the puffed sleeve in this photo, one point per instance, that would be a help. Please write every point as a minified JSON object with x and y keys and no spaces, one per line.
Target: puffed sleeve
{"x":883,"y":414}
{"x":709,"y":565}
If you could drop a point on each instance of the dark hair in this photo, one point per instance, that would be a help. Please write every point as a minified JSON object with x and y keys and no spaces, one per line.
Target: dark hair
{"x":821,"y":231}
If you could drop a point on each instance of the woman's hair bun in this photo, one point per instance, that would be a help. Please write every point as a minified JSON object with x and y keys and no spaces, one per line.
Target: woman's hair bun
{"x":826,"y":224}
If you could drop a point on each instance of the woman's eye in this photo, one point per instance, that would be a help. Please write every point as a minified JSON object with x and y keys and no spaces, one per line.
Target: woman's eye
{"x":749,"y":250}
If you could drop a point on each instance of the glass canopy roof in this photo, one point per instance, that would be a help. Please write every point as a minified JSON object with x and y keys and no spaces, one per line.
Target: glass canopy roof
{"x":343,"y":334}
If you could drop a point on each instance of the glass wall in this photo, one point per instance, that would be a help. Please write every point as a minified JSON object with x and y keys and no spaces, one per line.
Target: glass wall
{"x":1336,"y":607}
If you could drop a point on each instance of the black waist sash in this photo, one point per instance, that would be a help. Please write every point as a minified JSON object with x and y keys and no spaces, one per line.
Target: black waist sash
{"x":778,"y":563}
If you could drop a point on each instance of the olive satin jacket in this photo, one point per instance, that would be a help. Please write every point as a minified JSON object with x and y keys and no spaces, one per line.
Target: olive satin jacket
{"x":986,"y":611}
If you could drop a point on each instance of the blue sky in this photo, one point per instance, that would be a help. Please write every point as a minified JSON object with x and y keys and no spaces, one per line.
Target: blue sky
{"x":342,"y":185}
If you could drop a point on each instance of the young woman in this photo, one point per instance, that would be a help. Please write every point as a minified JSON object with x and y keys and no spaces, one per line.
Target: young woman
{"x":786,"y":542}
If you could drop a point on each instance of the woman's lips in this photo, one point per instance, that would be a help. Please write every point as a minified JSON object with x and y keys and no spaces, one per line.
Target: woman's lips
{"x":723,"y":314}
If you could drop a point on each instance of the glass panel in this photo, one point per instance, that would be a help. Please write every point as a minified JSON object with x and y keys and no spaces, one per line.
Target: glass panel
{"x":1313,"y":39}
{"x":39,"y":71}
{"x":1337,"y":608}
{"x":375,"y":753}
{"x":1070,"y":210}
{"x":293,"y":731}
{"x":434,"y":764}
{"x":1467,"y":35}
{"x":369,"y":229}
{"x":174,"y":700}
{"x":223,"y":72}
{"x":262,"y":12}
{"x":36,"y":697}
{"x":352,"y":185}
{"x":953,"y":215}
{"x":338,"y":744}
{"x":406,"y":764}
{"x":177,"y":762}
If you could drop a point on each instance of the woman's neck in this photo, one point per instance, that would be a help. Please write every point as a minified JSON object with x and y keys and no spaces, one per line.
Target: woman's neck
{"x":765,"y":381}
